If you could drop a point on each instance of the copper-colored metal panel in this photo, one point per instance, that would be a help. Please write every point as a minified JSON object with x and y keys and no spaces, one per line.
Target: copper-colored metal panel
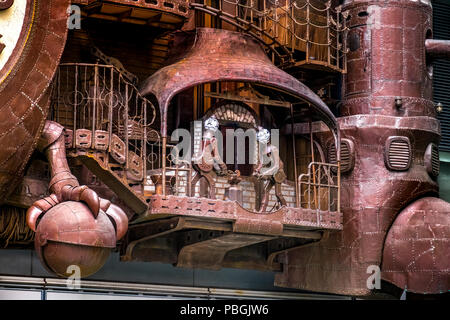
{"x":388,"y":94}
{"x":101,"y":140}
{"x":389,"y":61}
{"x":24,"y":80}
{"x":118,"y":149}
{"x":176,"y":7}
{"x":68,"y":234}
{"x":135,"y":167}
{"x":69,"y":223}
{"x":68,"y":138}
{"x":371,"y":197}
{"x":416,"y":254}
{"x":210,"y":253}
{"x":275,"y":223}
{"x":210,"y":55}
{"x":83,"y":138}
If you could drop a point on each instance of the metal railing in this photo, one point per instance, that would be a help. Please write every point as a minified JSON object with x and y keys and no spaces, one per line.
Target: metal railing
{"x":104,"y":113}
{"x":105,"y":117}
{"x":320,"y":187}
{"x":288,"y":28}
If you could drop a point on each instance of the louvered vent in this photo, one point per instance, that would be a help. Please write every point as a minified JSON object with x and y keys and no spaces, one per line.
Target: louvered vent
{"x":431,"y":160}
{"x":346,"y":155}
{"x":435,"y":160}
{"x":398,"y":153}
{"x":441,"y":70}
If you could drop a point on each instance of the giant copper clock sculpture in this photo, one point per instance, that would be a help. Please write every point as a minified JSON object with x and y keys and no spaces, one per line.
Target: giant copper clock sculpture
{"x":33,"y":38}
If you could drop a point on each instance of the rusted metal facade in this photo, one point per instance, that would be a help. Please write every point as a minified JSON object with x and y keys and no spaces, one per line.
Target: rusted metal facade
{"x":24,"y":82}
{"x":388,"y":61}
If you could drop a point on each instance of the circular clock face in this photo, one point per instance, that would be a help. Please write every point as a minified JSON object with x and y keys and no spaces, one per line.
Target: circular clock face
{"x":13,"y":14}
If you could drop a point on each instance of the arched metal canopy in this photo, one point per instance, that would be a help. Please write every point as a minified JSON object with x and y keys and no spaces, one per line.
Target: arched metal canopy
{"x":212,"y":55}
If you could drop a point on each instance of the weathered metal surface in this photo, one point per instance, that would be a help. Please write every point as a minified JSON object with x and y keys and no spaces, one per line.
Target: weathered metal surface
{"x":387,"y":94}
{"x":28,"y":191}
{"x":68,"y":234}
{"x":208,"y":159}
{"x":416,"y":253}
{"x":210,"y":253}
{"x":196,"y":243}
{"x":281,"y":222}
{"x":96,"y":163}
{"x":24,"y":80}
{"x":369,"y":203}
{"x":390,"y":61}
{"x":210,"y":55}
{"x":145,"y":231}
{"x":6,"y":4}
{"x":74,"y":224}
{"x":438,"y":48}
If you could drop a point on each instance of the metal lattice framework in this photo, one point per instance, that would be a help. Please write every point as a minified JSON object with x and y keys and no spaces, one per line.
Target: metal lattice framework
{"x":103,"y":111}
{"x":111,"y":126}
{"x":317,"y":30}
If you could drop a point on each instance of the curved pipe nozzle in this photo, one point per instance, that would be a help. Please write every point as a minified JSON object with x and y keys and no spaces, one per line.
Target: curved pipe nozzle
{"x":437,"y":49}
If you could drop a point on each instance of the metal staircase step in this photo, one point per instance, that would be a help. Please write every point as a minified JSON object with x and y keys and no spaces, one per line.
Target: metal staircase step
{"x":135,"y":201}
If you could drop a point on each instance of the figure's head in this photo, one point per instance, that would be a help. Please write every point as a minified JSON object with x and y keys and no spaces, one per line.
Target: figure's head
{"x":263,"y":135}
{"x":212,"y":124}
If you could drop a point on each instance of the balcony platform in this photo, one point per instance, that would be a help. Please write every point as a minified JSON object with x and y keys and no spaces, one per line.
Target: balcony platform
{"x":211,"y":234}
{"x":166,"y":14}
{"x":287,"y":221}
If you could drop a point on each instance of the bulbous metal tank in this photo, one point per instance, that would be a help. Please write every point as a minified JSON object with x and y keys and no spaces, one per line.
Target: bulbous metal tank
{"x":68,"y":234}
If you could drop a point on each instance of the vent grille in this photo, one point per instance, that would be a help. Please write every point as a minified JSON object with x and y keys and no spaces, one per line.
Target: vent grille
{"x":432,"y":160}
{"x":346,"y":155}
{"x":398,"y":153}
{"x":435,"y":165}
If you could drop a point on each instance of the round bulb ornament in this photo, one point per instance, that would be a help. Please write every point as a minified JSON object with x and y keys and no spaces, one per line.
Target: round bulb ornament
{"x":69,"y":235}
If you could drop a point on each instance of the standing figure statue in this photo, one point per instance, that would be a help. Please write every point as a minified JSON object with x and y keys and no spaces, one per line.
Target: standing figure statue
{"x":208,"y":160}
{"x":269,"y":172}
